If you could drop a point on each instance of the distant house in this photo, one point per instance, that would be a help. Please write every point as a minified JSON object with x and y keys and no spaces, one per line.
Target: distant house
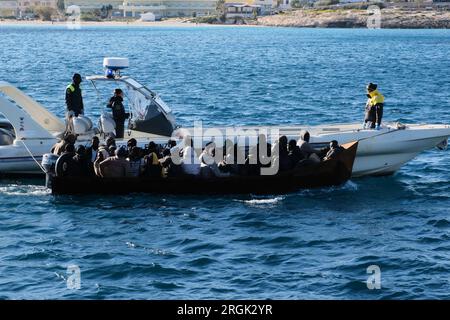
{"x":266,"y":6}
{"x":237,"y":10}
{"x":19,"y":8}
{"x":161,"y":8}
{"x":148,"y":17}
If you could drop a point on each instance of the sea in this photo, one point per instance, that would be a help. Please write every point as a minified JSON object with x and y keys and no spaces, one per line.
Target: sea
{"x":372,"y":238}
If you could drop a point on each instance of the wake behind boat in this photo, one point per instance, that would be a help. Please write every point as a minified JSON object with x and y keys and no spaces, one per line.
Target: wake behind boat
{"x":30,"y":130}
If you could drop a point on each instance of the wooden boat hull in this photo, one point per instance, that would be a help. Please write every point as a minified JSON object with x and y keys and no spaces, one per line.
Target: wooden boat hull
{"x":324,"y":174}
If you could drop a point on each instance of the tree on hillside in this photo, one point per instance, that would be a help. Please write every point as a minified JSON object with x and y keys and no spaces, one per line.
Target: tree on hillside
{"x":61,"y":5}
{"x":44,"y":13}
{"x":295,"y":4}
{"x":221,"y":9}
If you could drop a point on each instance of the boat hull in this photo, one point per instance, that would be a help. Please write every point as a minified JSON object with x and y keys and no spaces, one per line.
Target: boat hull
{"x":324,"y":174}
{"x":379,"y":153}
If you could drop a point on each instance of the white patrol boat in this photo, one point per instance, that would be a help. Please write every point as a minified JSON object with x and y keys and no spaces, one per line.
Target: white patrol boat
{"x":29,"y":130}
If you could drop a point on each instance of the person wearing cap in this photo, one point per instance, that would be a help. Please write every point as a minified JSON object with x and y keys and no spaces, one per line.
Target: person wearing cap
{"x":374,"y":107}
{"x":118,"y":111}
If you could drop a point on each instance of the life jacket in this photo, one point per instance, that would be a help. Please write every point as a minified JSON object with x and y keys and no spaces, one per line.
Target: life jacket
{"x":376,"y":98}
{"x":72,"y":88}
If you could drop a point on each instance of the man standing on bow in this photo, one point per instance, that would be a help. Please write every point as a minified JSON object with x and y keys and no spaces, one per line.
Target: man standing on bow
{"x":374,"y":107}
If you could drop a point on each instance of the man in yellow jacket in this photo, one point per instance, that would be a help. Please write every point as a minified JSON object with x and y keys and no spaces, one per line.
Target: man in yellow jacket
{"x":374,"y":107}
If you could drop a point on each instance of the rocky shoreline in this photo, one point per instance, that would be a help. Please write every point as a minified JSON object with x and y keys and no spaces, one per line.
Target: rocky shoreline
{"x":353,"y":18}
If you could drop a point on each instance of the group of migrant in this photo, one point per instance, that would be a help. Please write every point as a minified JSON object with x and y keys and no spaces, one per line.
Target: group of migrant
{"x":176,"y":160}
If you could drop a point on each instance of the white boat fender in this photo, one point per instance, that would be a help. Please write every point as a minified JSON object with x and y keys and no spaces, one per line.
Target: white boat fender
{"x":81,"y":124}
{"x":49,"y":163}
{"x":107,"y":124}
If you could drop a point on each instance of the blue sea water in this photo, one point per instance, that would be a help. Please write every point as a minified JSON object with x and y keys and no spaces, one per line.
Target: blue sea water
{"x":313,"y":244}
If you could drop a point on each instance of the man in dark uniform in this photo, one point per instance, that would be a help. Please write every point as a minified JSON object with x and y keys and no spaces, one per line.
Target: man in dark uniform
{"x":119,"y":114}
{"x":74,"y":100}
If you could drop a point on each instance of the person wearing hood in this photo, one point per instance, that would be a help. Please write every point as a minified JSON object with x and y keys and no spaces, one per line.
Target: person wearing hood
{"x":118,"y":111}
{"x":374,"y":107}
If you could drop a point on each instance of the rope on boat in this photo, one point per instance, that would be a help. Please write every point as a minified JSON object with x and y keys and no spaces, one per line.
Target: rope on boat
{"x":381,"y":134}
{"x":32,"y":156}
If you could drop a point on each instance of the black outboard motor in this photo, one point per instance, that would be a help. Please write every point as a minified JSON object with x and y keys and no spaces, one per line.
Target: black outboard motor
{"x":49,"y":164}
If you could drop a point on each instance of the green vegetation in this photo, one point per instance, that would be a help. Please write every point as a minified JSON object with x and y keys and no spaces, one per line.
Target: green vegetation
{"x":326,"y":3}
{"x":90,"y":16}
{"x":44,"y":13}
{"x":61,"y":5}
{"x":222,"y":10}
{"x":206,"y":19}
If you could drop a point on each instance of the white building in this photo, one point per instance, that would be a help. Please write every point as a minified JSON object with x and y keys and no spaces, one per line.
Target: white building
{"x":20,"y":7}
{"x":26,"y":4}
{"x":8,"y":8}
{"x":169,"y":8}
{"x":148,"y":17}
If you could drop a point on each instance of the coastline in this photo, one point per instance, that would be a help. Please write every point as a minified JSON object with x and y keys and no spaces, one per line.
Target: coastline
{"x":169,"y":23}
{"x":390,"y":18}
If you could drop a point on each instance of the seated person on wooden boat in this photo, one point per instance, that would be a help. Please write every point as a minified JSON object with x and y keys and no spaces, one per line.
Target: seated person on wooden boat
{"x":295,"y":154}
{"x":190,"y":165}
{"x":171,"y":144}
{"x":91,"y":152}
{"x":81,"y":164}
{"x":102,"y":155}
{"x":264,"y":153}
{"x":208,"y":166}
{"x":115,"y":167}
{"x":234,"y":159}
{"x":60,"y":147}
{"x":169,"y":168}
{"x":111,"y":146}
{"x":305,"y":147}
{"x":152,"y":167}
{"x":283,"y":154}
{"x":259,"y":156}
{"x":335,"y":150}
{"x":136,"y":162}
{"x":131,"y":144}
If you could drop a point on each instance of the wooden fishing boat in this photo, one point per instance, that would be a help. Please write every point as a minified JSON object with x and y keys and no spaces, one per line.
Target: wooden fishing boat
{"x":326,"y":173}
